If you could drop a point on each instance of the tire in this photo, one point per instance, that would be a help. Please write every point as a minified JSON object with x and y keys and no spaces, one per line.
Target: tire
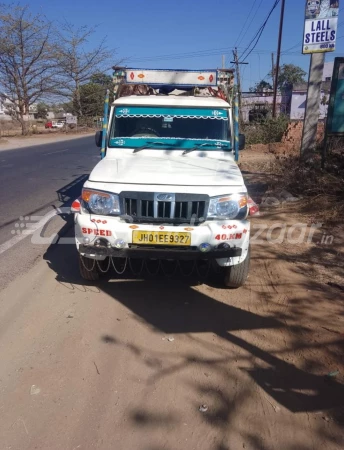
{"x":235,"y":276}
{"x":88,"y":268}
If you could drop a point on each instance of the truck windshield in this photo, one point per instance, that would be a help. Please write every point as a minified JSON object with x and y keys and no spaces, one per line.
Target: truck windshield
{"x":179,"y":128}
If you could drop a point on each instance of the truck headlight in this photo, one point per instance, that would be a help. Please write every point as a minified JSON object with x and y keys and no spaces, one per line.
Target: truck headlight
{"x":228,"y":207}
{"x":100,"y":202}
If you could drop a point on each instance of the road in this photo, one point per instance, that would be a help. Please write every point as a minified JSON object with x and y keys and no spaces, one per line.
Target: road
{"x":157,"y":362}
{"x":35,"y":181}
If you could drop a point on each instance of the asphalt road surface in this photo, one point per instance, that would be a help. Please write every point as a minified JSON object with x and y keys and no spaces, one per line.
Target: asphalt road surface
{"x":156,"y":362}
{"x":34,"y":181}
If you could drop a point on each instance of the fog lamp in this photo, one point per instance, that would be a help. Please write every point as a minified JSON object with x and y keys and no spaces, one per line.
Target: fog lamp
{"x":205,"y":247}
{"x":119,"y":243}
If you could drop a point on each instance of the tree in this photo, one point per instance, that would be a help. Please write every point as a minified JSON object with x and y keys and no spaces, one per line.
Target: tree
{"x":289,"y":74}
{"x":42,"y":111}
{"x":58,"y":108}
{"x":101,"y":79}
{"x":26,"y":60}
{"x":78,"y":64}
{"x":261,"y":87}
{"x":92,"y":94}
{"x":67,"y":107}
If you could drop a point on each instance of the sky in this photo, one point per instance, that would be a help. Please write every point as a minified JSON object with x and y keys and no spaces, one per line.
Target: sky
{"x":190,"y":34}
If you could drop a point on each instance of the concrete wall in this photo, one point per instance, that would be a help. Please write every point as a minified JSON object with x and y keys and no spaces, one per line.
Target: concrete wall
{"x":328,"y":70}
{"x":248,"y":102}
{"x":298,"y":103}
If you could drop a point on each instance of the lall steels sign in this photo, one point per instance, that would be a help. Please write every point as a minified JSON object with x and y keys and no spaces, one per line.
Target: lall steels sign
{"x":320,"y":30}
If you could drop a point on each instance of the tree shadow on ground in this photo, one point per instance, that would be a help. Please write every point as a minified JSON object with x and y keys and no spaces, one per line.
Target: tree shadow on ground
{"x":174,"y":307}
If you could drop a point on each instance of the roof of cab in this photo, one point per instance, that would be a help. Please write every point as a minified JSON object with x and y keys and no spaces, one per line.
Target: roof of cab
{"x":171,"y":100}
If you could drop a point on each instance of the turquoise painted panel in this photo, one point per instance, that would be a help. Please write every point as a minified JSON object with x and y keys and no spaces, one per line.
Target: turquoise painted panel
{"x":338,"y":109}
{"x":191,"y":113}
{"x":169,"y":143}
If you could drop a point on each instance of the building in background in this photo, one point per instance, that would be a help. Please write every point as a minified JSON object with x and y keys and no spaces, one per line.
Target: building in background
{"x":328,"y":71}
{"x":32,"y":111}
{"x":3,"y":112}
{"x":299,"y":95}
{"x":258,"y":106}
{"x":5,"y":103}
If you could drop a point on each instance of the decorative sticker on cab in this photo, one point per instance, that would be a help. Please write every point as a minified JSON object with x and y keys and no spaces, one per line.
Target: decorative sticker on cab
{"x":96,"y":232}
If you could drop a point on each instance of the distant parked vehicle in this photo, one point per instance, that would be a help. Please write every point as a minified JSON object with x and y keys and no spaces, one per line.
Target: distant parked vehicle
{"x":54,"y":124}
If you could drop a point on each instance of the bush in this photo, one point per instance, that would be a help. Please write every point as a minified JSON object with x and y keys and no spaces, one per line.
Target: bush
{"x":266,"y":131}
{"x":322,"y":189}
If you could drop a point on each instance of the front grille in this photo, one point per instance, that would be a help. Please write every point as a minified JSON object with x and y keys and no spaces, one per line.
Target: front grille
{"x":187,"y":210}
{"x":146,"y":207}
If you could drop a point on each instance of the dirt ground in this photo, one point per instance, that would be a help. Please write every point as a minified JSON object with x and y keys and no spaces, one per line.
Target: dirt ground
{"x":153,"y":363}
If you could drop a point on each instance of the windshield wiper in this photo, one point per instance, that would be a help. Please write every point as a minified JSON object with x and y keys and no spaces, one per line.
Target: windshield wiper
{"x":152,"y":144}
{"x":199,"y":146}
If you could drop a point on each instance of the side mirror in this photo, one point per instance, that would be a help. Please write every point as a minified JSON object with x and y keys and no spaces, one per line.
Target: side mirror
{"x":98,"y":138}
{"x":242,"y":141}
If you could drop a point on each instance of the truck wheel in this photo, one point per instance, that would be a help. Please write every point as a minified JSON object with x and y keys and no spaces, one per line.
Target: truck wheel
{"x":88,"y":268}
{"x":235,"y":276}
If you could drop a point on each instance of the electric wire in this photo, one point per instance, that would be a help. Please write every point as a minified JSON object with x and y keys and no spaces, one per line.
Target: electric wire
{"x":243,"y":28}
{"x":258,"y":35}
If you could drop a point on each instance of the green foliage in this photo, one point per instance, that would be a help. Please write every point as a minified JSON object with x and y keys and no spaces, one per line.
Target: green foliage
{"x":267,"y":131}
{"x":64,"y":107}
{"x":42,"y":111}
{"x":92,"y":95}
{"x":289,"y":74}
{"x":261,"y":86}
{"x":101,"y":79}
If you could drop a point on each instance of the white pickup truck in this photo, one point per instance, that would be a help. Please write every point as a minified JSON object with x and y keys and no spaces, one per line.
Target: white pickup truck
{"x":168,"y":187}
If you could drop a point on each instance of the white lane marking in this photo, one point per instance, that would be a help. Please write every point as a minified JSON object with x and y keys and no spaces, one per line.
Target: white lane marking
{"x":31,"y":228}
{"x":9,"y":244}
{"x":57,"y":151}
{"x":5,"y":166}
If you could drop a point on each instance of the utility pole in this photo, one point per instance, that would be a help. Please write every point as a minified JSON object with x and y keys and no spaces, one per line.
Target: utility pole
{"x":273,"y":71}
{"x":278,"y":58}
{"x":223,"y":61}
{"x":237,"y":68}
{"x":310,"y":123}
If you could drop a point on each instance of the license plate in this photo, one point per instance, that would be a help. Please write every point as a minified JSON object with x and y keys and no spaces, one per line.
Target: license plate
{"x":161,"y":238}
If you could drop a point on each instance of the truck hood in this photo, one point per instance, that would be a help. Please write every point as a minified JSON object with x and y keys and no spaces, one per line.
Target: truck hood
{"x":176,"y":170}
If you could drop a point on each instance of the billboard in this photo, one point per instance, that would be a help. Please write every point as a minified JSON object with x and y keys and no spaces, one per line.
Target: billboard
{"x":320,"y":29}
{"x":71,"y":120}
{"x":335,"y":114}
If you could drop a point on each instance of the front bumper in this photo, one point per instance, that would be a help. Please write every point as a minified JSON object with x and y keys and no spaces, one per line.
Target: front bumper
{"x":159,"y":253}
{"x":229,"y":239}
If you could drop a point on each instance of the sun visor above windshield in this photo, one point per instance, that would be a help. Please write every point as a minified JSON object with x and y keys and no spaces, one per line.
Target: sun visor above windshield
{"x":169,"y":143}
{"x":190,"y":113}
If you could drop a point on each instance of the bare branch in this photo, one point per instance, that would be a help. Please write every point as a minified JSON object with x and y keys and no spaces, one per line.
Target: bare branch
{"x":78,"y":64}
{"x":27,"y":64}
